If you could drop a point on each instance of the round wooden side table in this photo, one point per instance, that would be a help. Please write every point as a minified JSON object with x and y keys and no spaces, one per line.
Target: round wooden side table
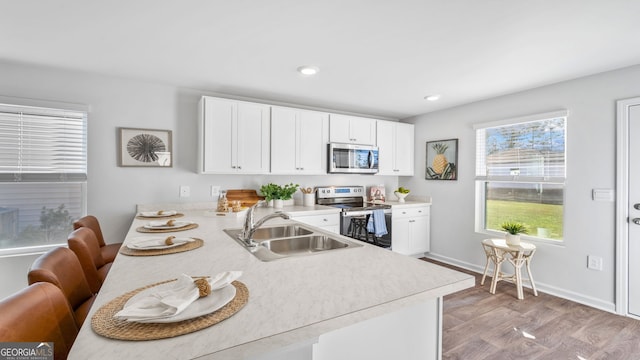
{"x":497,"y":251}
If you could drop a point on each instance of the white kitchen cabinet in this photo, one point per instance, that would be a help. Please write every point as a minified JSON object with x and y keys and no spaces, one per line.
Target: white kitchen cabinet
{"x":233,"y":137}
{"x":410,"y":229}
{"x":299,"y":141}
{"x":395,"y":142}
{"x":352,"y":130}
{"x":329,"y":222}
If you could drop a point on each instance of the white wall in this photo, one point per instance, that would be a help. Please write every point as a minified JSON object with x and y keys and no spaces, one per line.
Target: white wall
{"x":113,"y":192}
{"x":589,"y":225}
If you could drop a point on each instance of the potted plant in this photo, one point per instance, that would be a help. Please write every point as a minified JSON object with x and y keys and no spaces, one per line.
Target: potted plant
{"x":513,"y":229}
{"x":269,"y":192}
{"x":278,"y":193}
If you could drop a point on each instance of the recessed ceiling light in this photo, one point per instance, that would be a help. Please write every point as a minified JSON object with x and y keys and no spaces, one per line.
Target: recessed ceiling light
{"x":308,"y":70}
{"x":433,"y":97}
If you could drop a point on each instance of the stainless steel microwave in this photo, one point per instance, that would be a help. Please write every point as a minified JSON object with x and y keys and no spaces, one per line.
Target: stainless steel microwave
{"x":352,"y":159}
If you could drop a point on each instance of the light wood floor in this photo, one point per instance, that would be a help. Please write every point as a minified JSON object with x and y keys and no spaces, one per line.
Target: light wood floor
{"x":478,"y":325}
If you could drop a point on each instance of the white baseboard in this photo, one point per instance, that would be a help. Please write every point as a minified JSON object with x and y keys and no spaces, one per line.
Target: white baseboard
{"x":542,"y":287}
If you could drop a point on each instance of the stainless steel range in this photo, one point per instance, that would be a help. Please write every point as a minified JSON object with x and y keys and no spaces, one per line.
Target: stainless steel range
{"x":355,"y":212}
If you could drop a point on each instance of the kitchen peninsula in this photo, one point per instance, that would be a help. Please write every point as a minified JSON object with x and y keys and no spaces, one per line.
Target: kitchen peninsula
{"x":365,"y":300}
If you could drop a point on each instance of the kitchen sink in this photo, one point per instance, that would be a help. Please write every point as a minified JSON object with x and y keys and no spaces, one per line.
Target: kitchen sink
{"x":278,"y":242}
{"x":303,"y":244}
{"x":279,"y":232}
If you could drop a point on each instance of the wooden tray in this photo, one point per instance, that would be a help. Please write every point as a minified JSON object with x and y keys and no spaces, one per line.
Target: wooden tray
{"x":246,"y":196}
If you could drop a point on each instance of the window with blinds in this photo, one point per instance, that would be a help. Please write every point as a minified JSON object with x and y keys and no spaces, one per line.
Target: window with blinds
{"x":43,"y":174}
{"x":520,"y":174}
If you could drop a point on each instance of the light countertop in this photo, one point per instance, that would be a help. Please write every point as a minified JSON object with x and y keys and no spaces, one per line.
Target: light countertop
{"x":291,"y":300}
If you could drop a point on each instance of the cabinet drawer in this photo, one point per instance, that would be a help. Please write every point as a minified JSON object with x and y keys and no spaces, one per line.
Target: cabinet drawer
{"x":410,"y":212}
{"x":320,"y":220}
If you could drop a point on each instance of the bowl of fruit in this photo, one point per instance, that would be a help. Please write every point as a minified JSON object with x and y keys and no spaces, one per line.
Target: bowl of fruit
{"x":401,"y":193}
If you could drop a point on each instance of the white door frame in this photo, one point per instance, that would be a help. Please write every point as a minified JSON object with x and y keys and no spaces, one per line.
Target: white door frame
{"x":622,"y":204}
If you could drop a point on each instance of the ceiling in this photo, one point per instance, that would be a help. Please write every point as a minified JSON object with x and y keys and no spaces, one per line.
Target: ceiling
{"x":376,"y":57}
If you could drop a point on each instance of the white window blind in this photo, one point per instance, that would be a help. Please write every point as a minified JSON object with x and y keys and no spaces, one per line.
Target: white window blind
{"x":42,"y":144}
{"x":526,"y":149}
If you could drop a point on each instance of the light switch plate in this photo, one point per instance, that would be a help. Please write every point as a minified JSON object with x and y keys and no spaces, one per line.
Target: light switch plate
{"x":185,"y":191}
{"x":215,"y":190}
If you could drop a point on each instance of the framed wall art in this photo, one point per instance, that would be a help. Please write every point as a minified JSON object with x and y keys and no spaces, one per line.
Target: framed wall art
{"x":144,"y":147}
{"x":442,"y":160}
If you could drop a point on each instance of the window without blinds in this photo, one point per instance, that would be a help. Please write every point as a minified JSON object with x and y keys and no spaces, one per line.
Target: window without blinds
{"x":43,"y":173}
{"x":520,"y":172}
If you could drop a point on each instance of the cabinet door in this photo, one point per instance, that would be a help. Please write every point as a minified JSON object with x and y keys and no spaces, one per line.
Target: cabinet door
{"x":404,"y":149}
{"x":400,"y":236}
{"x":419,"y":235}
{"x":253,"y":140}
{"x":352,"y":130}
{"x":385,"y":135}
{"x":339,"y":129}
{"x":363,"y":131}
{"x":218,"y":146}
{"x":283,"y":140}
{"x":312,"y":139}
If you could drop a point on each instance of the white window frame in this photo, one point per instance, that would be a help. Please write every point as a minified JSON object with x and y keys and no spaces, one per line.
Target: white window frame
{"x":480,"y":180}
{"x":56,"y":106}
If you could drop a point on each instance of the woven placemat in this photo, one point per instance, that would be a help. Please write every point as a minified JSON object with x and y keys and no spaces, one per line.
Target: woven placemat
{"x":152,"y":252}
{"x":140,"y":217}
{"x":103,"y":322}
{"x":143,"y":229}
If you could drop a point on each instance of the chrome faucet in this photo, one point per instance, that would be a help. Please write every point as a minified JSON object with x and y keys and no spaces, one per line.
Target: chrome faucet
{"x":250,"y":227}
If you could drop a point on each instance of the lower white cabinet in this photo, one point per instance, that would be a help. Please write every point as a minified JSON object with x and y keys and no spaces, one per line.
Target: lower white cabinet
{"x":410,"y":229}
{"x":329,"y":222}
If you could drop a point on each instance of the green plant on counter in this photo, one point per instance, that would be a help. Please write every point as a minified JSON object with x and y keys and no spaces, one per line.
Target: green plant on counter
{"x":514,"y":228}
{"x":273,"y":191}
{"x":269,"y":191}
{"x":287,"y":191}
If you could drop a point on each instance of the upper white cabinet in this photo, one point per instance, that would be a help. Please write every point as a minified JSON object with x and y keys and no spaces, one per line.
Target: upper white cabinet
{"x":395,"y":143}
{"x":298,"y":141}
{"x":233,"y":137}
{"x":352,"y":130}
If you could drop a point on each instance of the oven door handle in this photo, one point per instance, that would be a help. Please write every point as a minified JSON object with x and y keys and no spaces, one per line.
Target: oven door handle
{"x":355,"y":213}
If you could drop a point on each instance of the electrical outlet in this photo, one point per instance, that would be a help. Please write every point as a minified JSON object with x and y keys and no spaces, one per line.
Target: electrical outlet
{"x":215,"y":190}
{"x":594,"y":263}
{"x":185,"y":191}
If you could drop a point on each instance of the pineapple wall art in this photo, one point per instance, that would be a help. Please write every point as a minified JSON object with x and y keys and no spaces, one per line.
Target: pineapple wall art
{"x":442,"y":160}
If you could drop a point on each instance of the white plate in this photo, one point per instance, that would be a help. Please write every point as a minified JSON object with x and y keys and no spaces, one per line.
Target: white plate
{"x":203,"y":306}
{"x":155,"y":243}
{"x":153,"y":214}
{"x":176,"y":225}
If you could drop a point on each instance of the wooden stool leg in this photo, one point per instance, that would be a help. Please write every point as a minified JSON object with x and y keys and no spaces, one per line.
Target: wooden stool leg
{"x":497,"y":259}
{"x":517,"y":261}
{"x":533,"y":284}
{"x":487,"y":253}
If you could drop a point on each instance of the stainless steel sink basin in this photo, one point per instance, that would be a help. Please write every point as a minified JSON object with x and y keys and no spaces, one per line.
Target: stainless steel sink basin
{"x":266,"y":233}
{"x":278,"y":242}
{"x":303,"y":244}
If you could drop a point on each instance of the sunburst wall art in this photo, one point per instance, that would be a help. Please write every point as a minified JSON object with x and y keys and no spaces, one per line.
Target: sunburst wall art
{"x":144,"y":147}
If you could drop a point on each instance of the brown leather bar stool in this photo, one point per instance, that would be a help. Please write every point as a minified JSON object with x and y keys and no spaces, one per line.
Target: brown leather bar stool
{"x":84,"y":244}
{"x":109,"y":251}
{"x":61,"y":268}
{"x":39,"y":313}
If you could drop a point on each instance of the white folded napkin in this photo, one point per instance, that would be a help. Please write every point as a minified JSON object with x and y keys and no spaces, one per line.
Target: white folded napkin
{"x":173,"y":301}
{"x":155,"y":213}
{"x":156,"y":242}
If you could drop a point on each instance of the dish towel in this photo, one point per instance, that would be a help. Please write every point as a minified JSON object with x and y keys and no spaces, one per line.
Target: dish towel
{"x":173,"y":301}
{"x":377,"y":224}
